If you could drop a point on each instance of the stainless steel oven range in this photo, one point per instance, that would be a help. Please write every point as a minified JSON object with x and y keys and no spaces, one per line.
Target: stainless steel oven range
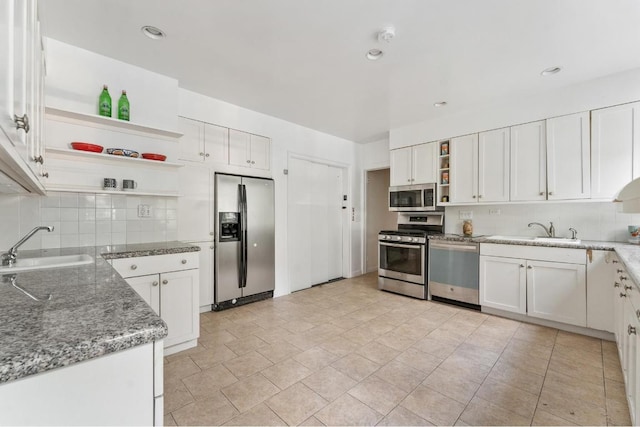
{"x":403,"y":254}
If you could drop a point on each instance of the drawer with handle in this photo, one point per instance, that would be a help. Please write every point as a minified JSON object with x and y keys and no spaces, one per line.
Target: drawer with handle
{"x":142,"y":266}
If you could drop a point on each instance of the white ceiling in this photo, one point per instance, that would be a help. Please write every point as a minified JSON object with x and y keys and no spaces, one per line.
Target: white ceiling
{"x":304,"y":60}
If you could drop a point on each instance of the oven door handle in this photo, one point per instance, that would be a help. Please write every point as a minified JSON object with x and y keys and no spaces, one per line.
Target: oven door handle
{"x":453,"y":247}
{"x":400,"y":245}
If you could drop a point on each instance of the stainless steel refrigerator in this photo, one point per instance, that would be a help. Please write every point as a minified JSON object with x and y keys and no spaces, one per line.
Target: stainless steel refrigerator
{"x":244,"y":241}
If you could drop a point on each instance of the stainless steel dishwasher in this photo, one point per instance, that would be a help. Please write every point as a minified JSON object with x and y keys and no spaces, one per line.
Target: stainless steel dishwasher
{"x":453,"y":270}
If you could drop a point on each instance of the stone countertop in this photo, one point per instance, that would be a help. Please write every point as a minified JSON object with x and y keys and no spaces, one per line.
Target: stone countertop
{"x":584,"y":244}
{"x":92,"y":311}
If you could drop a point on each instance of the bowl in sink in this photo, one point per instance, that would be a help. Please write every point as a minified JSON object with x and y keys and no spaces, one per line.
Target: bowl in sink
{"x":41,"y":263}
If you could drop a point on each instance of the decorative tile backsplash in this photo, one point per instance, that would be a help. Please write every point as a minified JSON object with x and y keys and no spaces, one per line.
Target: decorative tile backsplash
{"x":82,"y":219}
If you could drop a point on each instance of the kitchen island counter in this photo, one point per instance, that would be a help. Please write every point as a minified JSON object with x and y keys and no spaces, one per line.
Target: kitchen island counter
{"x":92,"y":311}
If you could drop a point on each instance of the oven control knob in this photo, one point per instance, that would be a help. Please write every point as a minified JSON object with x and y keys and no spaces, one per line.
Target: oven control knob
{"x":398,"y":238}
{"x":383,"y":237}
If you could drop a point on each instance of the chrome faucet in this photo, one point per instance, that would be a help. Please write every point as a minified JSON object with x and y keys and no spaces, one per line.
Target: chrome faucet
{"x":551,"y":231}
{"x":574,"y":233}
{"x":11,"y":255}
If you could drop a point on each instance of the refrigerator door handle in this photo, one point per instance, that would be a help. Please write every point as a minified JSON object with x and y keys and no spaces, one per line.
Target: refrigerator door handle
{"x":241,"y":268}
{"x":245,"y":244}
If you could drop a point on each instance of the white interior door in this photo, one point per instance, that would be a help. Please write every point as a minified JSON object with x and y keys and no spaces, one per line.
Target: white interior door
{"x":315,"y":223}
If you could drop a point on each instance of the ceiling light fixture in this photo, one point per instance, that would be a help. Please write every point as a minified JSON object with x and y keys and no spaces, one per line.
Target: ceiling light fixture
{"x":440,"y":104}
{"x":387,"y":34}
{"x":153,"y":32}
{"x":550,"y":71}
{"x":374,"y":54}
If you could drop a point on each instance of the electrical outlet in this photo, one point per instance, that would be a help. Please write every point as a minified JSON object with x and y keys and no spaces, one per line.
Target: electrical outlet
{"x":144,"y":211}
{"x":494,"y":212}
{"x":466,"y":214}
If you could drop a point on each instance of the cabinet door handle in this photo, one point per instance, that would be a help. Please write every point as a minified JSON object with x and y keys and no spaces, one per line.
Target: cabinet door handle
{"x":184,"y":261}
{"x":211,"y":233}
{"x":551,"y":193}
{"x":541,"y":193}
{"x":530,"y":267}
{"x":638,"y":314}
{"x":248,"y":161}
{"x":474,"y":196}
{"x":615,"y":261}
{"x":202,"y":154}
{"x":206,"y":155}
{"x":631,"y":330}
{"x":627,"y":287}
{"x":619,"y":270}
{"x":616,"y":284}
{"x":480,"y":196}
{"x":155,"y":283}
{"x":623,"y":277}
{"x":22,"y":122}
{"x":253,"y":163}
{"x":165,"y":281}
{"x":521,"y":265}
{"x":211,"y":247}
{"x":622,"y":295}
{"x":38,"y":159}
{"x":133,"y":266}
{"x":45,"y":174}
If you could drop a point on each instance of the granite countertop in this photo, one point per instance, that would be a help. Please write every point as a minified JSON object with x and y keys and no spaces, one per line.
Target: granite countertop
{"x":92,"y":311}
{"x":584,"y":244}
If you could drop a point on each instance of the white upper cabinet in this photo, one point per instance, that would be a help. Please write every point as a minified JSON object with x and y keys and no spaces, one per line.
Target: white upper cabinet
{"x":21,"y":93}
{"x":248,"y":150}
{"x":615,"y":149}
{"x":568,"y":157}
{"x":528,"y":162}
{"x":414,"y":165}
{"x":493,"y":166}
{"x":203,"y":142}
{"x":401,"y":163}
{"x":425,"y":163}
{"x":463,"y":181}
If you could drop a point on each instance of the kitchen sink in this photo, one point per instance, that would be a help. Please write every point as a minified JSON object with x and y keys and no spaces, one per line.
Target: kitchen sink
{"x":514,"y":238}
{"x":563,"y":240}
{"x":27,"y":264}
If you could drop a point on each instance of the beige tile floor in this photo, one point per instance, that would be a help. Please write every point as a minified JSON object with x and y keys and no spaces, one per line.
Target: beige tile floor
{"x":346,"y":353}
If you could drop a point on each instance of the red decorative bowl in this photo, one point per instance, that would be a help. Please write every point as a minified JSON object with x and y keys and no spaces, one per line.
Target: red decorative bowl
{"x":85,"y":146}
{"x":153,"y":156}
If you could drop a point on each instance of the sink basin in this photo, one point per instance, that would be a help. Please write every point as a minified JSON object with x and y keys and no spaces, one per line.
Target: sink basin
{"x":564,"y":240}
{"x":27,"y":264}
{"x":514,"y":238}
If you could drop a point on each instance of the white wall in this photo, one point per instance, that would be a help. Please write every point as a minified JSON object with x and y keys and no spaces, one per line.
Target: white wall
{"x":375,"y":155}
{"x":602,"y":221}
{"x":287,"y":138}
{"x":75,"y":77}
{"x":603,"y":92}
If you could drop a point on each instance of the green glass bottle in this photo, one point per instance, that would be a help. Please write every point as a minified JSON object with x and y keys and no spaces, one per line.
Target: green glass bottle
{"x":123,"y":106}
{"x":104,"y":102}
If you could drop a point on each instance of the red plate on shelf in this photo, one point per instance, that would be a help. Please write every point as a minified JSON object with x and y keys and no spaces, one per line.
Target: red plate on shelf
{"x":153,"y":156}
{"x":85,"y":146}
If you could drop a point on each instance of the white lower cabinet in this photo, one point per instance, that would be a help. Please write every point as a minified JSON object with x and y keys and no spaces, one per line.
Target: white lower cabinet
{"x":557,"y":291}
{"x":503,"y":284}
{"x":600,"y":269}
{"x":626,"y":303}
{"x":529,"y":280}
{"x":114,"y":389}
{"x":206,"y":274}
{"x":170,"y":285}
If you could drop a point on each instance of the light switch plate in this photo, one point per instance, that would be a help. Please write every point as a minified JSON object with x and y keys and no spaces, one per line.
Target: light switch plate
{"x":144,"y":211}
{"x":494,"y":212}
{"x":466,"y":214}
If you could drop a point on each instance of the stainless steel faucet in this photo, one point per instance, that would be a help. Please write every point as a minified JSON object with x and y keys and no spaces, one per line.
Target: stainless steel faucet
{"x":551,"y":231}
{"x":11,"y":255}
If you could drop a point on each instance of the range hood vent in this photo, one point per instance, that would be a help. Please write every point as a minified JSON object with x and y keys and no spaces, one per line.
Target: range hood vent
{"x":630,"y":197}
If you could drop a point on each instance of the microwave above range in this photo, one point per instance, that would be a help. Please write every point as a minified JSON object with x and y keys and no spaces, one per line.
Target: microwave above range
{"x":413,"y":198}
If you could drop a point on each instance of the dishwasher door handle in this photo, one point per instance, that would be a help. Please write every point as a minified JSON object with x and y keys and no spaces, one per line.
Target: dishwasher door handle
{"x":454,"y":247}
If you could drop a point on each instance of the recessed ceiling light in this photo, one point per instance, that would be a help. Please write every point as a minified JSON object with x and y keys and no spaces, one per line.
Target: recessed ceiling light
{"x":440,"y":104}
{"x":374,"y":54}
{"x":550,"y":71}
{"x":153,"y":32}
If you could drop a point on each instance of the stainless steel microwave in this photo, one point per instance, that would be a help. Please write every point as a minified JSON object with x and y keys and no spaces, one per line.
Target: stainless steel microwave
{"x":413,"y":198}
